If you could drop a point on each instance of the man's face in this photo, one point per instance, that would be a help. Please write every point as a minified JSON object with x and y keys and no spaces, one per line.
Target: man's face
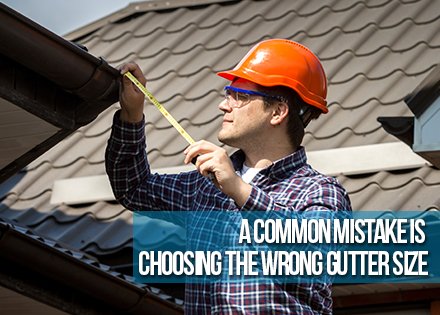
{"x":244,"y":127}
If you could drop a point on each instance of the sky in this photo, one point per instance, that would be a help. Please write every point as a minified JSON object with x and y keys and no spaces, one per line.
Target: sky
{"x":64,"y":16}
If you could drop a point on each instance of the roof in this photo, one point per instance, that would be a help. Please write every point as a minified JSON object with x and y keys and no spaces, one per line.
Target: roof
{"x":374,"y":53}
{"x":424,"y":103}
{"x":28,"y":258}
{"x":49,"y":88}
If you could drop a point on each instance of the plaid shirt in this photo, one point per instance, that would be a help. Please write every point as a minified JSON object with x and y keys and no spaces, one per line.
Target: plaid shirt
{"x":289,"y":185}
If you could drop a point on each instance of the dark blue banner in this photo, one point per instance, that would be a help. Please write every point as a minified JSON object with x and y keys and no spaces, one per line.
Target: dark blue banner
{"x":311,"y":246}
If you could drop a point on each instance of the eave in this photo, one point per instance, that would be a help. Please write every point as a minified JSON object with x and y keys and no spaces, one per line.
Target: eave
{"x":68,"y":280}
{"x":59,"y":83}
{"x":421,"y":131}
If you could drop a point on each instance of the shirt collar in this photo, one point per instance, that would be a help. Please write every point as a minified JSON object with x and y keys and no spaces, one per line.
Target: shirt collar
{"x":278,"y":168}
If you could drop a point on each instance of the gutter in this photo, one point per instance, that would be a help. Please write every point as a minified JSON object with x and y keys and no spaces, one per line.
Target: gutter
{"x":421,"y":131}
{"x":62,"y":62}
{"x":22,"y":254}
{"x":51,"y":78}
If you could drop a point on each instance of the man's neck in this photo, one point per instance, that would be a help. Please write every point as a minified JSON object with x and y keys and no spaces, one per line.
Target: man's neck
{"x":265,"y":157}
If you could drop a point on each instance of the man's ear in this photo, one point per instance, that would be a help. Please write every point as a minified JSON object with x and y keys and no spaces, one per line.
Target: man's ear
{"x":279,"y":113}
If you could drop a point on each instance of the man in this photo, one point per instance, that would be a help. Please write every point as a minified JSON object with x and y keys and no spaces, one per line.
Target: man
{"x":277,"y":88}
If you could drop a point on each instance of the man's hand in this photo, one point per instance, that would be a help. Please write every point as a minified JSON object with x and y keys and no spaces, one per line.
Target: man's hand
{"x":130,"y":97}
{"x":215,"y":160}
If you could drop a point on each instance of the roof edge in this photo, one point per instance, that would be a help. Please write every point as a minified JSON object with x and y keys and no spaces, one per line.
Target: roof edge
{"x":426,"y":93}
{"x":42,"y":51}
{"x":73,"y":86}
{"x":135,"y":8}
{"x":28,"y":251}
{"x":401,"y":127}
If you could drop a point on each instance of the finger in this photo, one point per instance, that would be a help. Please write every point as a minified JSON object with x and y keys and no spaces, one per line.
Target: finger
{"x":202,"y":158}
{"x":201,"y":147}
{"x":193,"y":151}
{"x":191,"y":156}
{"x":134,"y":69}
{"x":128,"y":84}
{"x":120,"y":66}
{"x":125,"y":67}
{"x":205,"y":165}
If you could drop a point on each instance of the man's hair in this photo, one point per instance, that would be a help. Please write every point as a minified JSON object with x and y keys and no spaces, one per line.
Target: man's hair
{"x":295,"y":125}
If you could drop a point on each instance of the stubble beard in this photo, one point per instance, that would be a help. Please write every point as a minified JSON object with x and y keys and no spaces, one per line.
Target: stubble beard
{"x":245,"y":141}
{"x":228,"y":140}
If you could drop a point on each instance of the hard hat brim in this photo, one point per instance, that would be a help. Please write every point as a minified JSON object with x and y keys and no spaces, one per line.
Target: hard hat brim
{"x":255,"y":77}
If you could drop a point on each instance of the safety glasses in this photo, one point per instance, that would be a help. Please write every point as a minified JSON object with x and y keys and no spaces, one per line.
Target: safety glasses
{"x":237,"y":98}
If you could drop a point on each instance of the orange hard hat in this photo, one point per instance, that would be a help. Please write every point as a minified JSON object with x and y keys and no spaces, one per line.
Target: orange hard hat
{"x":287,"y":63}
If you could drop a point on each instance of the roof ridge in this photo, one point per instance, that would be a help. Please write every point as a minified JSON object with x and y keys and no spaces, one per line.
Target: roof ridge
{"x":336,"y":103}
{"x":340,"y":131}
{"x":136,"y":8}
{"x":52,"y":165}
{"x":174,"y":153}
{"x":182,"y":75}
{"x":83,"y":158}
{"x":330,"y":82}
{"x":184,"y":51}
{"x":151,"y":123}
{"x":395,"y":187}
{"x":51,"y":216}
{"x":379,"y":27}
{"x":293,"y":11}
{"x":305,"y":33}
{"x":169,"y":126}
{"x":189,"y":99}
{"x":108,"y":249}
{"x":383,"y":76}
{"x":378,"y":49}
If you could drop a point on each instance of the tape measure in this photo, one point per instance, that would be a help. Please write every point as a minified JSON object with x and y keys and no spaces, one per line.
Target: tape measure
{"x":164,"y":112}
{"x":162,"y":109}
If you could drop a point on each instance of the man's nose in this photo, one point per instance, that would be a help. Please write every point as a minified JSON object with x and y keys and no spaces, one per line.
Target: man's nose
{"x":224,"y":106}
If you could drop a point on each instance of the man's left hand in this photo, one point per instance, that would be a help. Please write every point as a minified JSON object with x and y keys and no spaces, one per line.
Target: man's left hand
{"x":212,"y":159}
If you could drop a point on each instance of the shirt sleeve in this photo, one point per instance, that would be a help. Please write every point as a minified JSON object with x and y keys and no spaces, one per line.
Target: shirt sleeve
{"x":133,"y":184}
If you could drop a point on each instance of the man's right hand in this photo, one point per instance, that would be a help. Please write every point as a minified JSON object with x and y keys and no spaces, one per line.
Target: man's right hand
{"x":131,"y":98}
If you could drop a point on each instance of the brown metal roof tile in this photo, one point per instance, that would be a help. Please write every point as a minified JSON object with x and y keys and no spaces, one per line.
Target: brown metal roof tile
{"x":345,"y":138}
{"x":382,"y":64}
{"x":374,"y":52}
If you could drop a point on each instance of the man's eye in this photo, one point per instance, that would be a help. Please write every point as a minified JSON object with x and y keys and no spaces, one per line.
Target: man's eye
{"x":242,"y":97}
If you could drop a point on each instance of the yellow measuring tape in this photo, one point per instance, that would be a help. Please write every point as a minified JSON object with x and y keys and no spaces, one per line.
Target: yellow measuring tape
{"x":162,"y":109}
{"x":164,"y":112}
